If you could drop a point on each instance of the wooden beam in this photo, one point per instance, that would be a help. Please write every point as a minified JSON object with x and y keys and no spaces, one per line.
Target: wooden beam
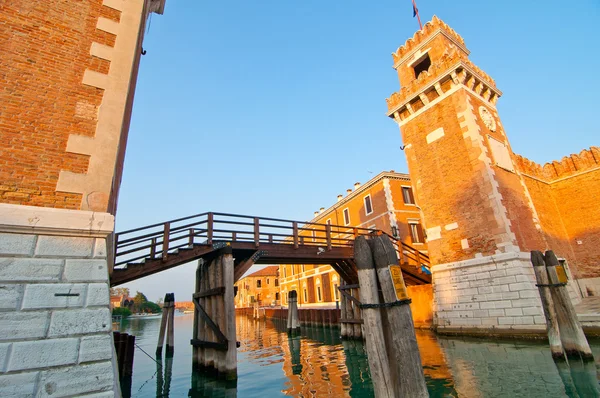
{"x":218,"y":291}
{"x":220,"y":336}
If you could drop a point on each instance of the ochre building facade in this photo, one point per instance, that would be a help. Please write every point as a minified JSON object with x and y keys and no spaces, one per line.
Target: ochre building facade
{"x":260,"y":287}
{"x":385,"y":203}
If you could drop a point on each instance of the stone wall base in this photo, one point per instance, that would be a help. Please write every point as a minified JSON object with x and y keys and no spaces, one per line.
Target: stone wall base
{"x":488,"y":295}
{"x":55,"y":320}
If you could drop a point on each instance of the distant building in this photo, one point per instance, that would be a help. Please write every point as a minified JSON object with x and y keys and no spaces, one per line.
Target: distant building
{"x":385,"y":203}
{"x":260,"y":287}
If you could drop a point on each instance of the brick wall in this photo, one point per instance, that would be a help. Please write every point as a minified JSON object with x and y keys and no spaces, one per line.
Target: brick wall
{"x":50,"y":343}
{"x":46,"y":49}
{"x":565,"y":196}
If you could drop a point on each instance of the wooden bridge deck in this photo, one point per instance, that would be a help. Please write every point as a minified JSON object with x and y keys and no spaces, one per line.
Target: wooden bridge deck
{"x":145,"y":251}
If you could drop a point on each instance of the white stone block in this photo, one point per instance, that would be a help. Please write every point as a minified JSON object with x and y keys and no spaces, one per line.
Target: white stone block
{"x":497,"y":273}
{"x":44,"y":295}
{"x":95,"y":348}
{"x":434,"y":136}
{"x":108,"y":394}
{"x":487,"y":305}
{"x":63,"y":246}
{"x":514,"y":271}
{"x":18,"y":385}
{"x":79,"y":321}
{"x":469,"y":306}
{"x":535,"y":311}
{"x":10,"y":296}
{"x":43,"y":353}
{"x":513,"y":312}
{"x":520,"y":286}
{"x":497,"y":312}
{"x":3,"y":355}
{"x":526,"y":303}
{"x":489,"y":321}
{"x":76,"y":380}
{"x":100,"y":248}
{"x":510,"y":295}
{"x":504,"y":280}
{"x":500,"y":289}
{"x":97,"y":294}
{"x":467,"y":292}
{"x":86,"y":270}
{"x":494,"y":296}
{"x":523,"y":278}
{"x":539,"y":320}
{"x":507,"y":320}
{"x":16,"y":244}
{"x":529,"y":293}
{"x":30,"y":269}
{"x":481,"y":313}
{"x":502,"y":304}
{"x":23,"y":325}
{"x":485,"y":289}
{"x":524,"y":320}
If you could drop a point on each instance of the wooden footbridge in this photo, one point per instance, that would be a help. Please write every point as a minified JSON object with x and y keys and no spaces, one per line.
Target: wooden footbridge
{"x":154,"y":248}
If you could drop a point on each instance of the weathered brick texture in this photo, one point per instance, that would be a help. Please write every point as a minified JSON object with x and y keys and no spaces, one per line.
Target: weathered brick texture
{"x":45,"y":51}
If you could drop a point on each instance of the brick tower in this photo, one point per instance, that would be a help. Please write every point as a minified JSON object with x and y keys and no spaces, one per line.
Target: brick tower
{"x":480,"y":221}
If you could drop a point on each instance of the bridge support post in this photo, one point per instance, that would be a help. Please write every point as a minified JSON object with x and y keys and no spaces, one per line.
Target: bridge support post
{"x":166,"y":325}
{"x":215,"y":346}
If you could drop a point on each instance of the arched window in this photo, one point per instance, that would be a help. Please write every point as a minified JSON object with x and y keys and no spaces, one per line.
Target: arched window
{"x":319,"y":297}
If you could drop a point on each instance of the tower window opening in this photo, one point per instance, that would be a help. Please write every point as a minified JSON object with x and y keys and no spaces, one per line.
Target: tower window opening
{"x":422,"y":65}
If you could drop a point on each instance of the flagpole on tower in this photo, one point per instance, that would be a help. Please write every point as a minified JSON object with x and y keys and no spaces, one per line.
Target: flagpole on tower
{"x":416,"y":13}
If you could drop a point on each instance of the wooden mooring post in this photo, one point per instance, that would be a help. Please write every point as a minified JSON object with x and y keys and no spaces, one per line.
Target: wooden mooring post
{"x":377,"y":263}
{"x":350,"y":321}
{"x":214,"y":340}
{"x":167,"y":323}
{"x":125,"y":349}
{"x":293,"y":324}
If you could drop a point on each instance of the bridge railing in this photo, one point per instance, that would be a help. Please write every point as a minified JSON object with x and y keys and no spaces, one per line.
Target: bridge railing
{"x":408,"y":254}
{"x":159,"y":240}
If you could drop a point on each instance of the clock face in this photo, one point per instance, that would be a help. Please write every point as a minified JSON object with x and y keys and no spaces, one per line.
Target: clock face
{"x":487,"y":118}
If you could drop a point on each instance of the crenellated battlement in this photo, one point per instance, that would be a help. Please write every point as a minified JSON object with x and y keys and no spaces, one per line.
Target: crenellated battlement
{"x":428,"y":29}
{"x":570,"y":165}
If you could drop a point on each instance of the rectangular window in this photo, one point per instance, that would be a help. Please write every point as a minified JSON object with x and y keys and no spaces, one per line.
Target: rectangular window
{"x":368,"y":205}
{"x":285,"y":271}
{"x":416,"y":232}
{"x":305,"y":296}
{"x":346,"y":216}
{"x":276,"y":282}
{"x":314,"y":234}
{"x":259,"y":283}
{"x":407,"y":194}
{"x":319,"y":293}
{"x":268,"y":281}
{"x":335,"y":291}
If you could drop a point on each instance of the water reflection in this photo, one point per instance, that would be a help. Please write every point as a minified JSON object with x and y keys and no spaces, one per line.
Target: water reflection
{"x":318,"y":363}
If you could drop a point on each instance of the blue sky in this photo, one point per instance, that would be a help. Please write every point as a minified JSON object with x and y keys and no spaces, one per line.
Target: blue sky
{"x":272,"y":108}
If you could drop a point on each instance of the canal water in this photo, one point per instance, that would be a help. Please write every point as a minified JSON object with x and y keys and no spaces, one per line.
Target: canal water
{"x":319,"y":364}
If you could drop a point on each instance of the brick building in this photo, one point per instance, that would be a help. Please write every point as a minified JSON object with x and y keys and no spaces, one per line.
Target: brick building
{"x":385,"y":203}
{"x":68,"y":74}
{"x":484,"y":207}
{"x":261,"y":287}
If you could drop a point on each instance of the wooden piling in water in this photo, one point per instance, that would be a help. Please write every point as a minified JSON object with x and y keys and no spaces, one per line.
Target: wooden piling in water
{"x":215,"y":339}
{"x":293,"y":323}
{"x":343,"y":326}
{"x":572,"y":337}
{"x":167,"y":325}
{"x":356,"y":316}
{"x":541,"y":276}
{"x":375,"y":341}
{"x":403,"y":352}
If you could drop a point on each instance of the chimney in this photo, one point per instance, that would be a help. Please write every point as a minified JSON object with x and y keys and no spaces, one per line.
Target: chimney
{"x":321,"y":210}
{"x":356,"y":185}
{"x":340,"y":197}
{"x":316,"y":213}
{"x":348,"y":191}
